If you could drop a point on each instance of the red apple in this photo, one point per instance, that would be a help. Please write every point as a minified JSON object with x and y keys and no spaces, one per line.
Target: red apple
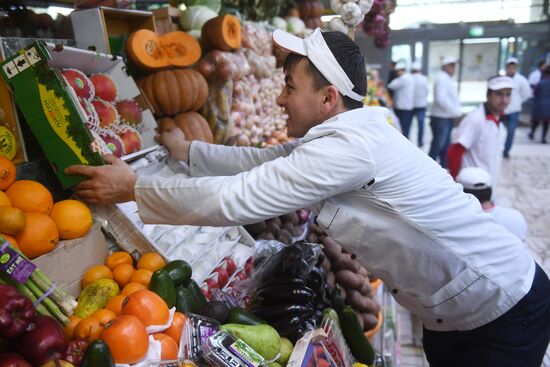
{"x":42,"y":342}
{"x":229,"y":264}
{"x":92,"y":121}
{"x":130,"y":138}
{"x":106,"y":112}
{"x":81,"y":84}
{"x":113,"y":142}
{"x":104,"y":86}
{"x":129,"y":111}
{"x":13,"y":360}
{"x":222,"y":276}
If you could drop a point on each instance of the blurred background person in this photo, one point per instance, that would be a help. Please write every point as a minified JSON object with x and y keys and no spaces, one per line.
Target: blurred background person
{"x":445,"y":108}
{"x":403,"y":90}
{"x":477,"y":181}
{"x":541,"y":106}
{"x":520,"y":94}
{"x":420,"y":99}
{"x":536,"y":75}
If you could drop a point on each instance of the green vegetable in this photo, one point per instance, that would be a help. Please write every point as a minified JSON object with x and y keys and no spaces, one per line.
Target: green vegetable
{"x":194,"y":17}
{"x":179,"y":271}
{"x":355,"y":338}
{"x":97,"y":354}
{"x":185,"y":302}
{"x":161,"y":284}
{"x":215,"y":5}
{"x":199,"y":297}
{"x":238,"y":315}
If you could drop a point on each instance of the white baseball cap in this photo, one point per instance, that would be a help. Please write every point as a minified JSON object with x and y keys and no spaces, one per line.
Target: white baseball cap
{"x":511,"y":60}
{"x":449,"y":60}
{"x":317,"y":51}
{"x":416,"y":65}
{"x":474,"y":178}
{"x":400,"y":66}
{"x":500,"y":82}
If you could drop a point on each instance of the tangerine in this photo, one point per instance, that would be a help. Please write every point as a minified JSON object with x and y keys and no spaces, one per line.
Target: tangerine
{"x":4,"y":199}
{"x":176,"y":328}
{"x":142,"y":276}
{"x":115,"y":303}
{"x":12,"y":220}
{"x":39,"y":235}
{"x":70,"y":326}
{"x":95,"y":273}
{"x":103,"y":316}
{"x":72,"y":218}
{"x":7,"y":173}
{"x":117,"y":258}
{"x":131,"y":288}
{"x":151,"y":261}
{"x":30,"y":196}
{"x":122,"y":274}
{"x":169,"y":347}
{"x":88,"y":329}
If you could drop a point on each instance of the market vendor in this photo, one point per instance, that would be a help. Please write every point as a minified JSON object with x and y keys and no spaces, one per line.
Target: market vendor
{"x":481,"y":296}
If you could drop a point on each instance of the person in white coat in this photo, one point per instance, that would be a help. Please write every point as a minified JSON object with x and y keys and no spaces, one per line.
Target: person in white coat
{"x":420,"y":99}
{"x":473,"y":284}
{"x":521,"y":93}
{"x":403,"y":104}
{"x":535,"y":76}
{"x":445,"y":108}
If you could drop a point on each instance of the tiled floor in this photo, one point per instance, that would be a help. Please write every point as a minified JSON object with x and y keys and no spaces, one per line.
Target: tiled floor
{"x":524,"y":184}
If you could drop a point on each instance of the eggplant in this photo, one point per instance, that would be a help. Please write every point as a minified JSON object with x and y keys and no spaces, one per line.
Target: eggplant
{"x":286,"y":293}
{"x":280,"y":311}
{"x":290,"y":280}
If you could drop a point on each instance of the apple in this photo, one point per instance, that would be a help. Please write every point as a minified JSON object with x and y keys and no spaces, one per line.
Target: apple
{"x":81,"y":84}
{"x":129,"y":111}
{"x":113,"y":142}
{"x":43,"y":341}
{"x":104,"y":86}
{"x":106,"y":113}
{"x":130,"y":138}
{"x":13,"y":360}
{"x":222,"y":275}
{"x":229,"y":264}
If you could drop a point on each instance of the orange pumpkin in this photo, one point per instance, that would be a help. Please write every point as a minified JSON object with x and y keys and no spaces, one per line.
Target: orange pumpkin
{"x":222,"y":33}
{"x":147,"y":306}
{"x":193,"y":125}
{"x":151,"y":51}
{"x":169,"y":347}
{"x":127,"y":339}
{"x":173,"y":91}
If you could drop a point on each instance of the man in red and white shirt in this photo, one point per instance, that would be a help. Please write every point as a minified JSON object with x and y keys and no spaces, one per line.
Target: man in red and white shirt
{"x":479,"y":138}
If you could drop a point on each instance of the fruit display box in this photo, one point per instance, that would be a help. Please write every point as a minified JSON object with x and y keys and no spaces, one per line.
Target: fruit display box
{"x":104,"y":29}
{"x":43,"y":95}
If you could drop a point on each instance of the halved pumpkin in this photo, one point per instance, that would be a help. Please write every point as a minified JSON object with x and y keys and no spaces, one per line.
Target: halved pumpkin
{"x":222,"y":33}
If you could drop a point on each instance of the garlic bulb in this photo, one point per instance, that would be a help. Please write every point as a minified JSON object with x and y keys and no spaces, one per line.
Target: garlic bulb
{"x":365,"y":5}
{"x":351,"y":14}
{"x":336,"y":5}
{"x":337,"y":25}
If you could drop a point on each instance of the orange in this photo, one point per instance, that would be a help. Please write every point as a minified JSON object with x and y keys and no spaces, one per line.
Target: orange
{"x":72,"y":218}
{"x":169,"y":347}
{"x":147,"y":306}
{"x":10,"y":239}
{"x":117,"y":258}
{"x":175,"y":330}
{"x":142,"y":276}
{"x":103,"y":316}
{"x":122,"y":274}
{"x":4,"y":198}
{"x":115,"y":303}
{"x":88,"y":329}
{"x":151,"y":261}
{"x":12,"y":220}
{"x":39,"y":235}
{"x":7,"y":173}
{"x":131,"y":288}
{"x":95,"y":273}
{"x":71,"y":325}
{"x":30,"y":196}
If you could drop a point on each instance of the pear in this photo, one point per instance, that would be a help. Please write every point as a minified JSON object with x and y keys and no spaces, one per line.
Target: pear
{"x":285,"y":351}
{"x":274,"y":364}
{"x":264,"y":339}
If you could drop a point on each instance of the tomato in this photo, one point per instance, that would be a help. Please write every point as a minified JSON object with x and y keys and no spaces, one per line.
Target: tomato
{"x":127,"y":339}
{"x":169,"y":348}
{"x":147,"y":306}
{"x":175,"y":330}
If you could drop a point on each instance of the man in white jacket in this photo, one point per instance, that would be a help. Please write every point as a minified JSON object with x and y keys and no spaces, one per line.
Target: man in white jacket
{"x":420,"y":99}
{"x":481,"y":296}
{"x":403,"y":90}
{"x":521,"y":93}
{"x":445,"y":108}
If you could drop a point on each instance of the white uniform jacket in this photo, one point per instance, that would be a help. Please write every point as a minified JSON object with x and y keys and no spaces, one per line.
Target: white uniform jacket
{"x":403,"y":92}
{"x":520,"y":93}
{"x":375,"y":193}
{"x":421,"y":90}
{"x":446,"y":103}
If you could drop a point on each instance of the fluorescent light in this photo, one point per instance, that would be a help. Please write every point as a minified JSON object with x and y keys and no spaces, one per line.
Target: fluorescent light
{"x":54,"y":10}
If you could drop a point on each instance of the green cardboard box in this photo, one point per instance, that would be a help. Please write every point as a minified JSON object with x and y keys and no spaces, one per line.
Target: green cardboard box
{"x":52,"y":114}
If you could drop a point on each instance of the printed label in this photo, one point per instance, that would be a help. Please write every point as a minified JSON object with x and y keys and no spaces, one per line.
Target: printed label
{"x":21,"y":63}
{"x":245,"y":353}
{"x":14,"y":265}
{"x":10,"y":69}
{"x":32,"y":56}
{"x":8,"y":144}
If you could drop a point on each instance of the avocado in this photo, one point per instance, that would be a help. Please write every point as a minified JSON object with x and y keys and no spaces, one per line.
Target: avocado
{"x":215,"y":309}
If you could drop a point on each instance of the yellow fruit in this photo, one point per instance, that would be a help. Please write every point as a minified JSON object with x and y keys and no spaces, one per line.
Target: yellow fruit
{"x":95,"y":273}
{"x":72,"y":218}
{"x":12,"y":220}
{"x":122,"y":274}
{"x":39,"y":235}
{"x":30,"y":196}
{"x":151,"y":261}
{"x":142,"y":276}
{"x":4,"y":199}
{"x":117,"y":258}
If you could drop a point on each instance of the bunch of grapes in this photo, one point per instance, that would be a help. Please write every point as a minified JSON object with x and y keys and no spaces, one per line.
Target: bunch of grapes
{"x":377,"y":22}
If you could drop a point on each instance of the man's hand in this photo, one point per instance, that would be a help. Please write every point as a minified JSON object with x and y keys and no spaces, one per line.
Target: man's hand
{"x":108,"y":184}
{"x":174,"y":140}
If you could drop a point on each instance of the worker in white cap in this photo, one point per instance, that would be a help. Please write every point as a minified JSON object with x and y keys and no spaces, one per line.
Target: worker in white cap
{"x":445,"y":108}
{"x":403,"y":90}
{"x":479,"y":138}
{"x":372,"y":191}
{"x":420,"y":98}
{"x":478,"y":182}
{"x":520,"y":94}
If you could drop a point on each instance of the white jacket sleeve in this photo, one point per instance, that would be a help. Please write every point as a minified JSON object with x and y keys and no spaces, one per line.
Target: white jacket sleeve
{"x":397,"y":83}
{"x":524,"y":89}
{"x":442,"y":94}
{"x":219,"y":160}
{"x":314,"y":171}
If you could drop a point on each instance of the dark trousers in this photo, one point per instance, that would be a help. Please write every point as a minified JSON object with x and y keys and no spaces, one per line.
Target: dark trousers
{"x":511,"y":122}
{"x":535,"y":123}
{"x":405,"y":119}
{"x":441,"y":132}
{"x":420,"y":114}
{"x":518,"y":338}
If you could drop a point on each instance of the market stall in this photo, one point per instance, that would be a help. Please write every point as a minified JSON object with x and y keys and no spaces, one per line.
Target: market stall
{"x":94,"y":286}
